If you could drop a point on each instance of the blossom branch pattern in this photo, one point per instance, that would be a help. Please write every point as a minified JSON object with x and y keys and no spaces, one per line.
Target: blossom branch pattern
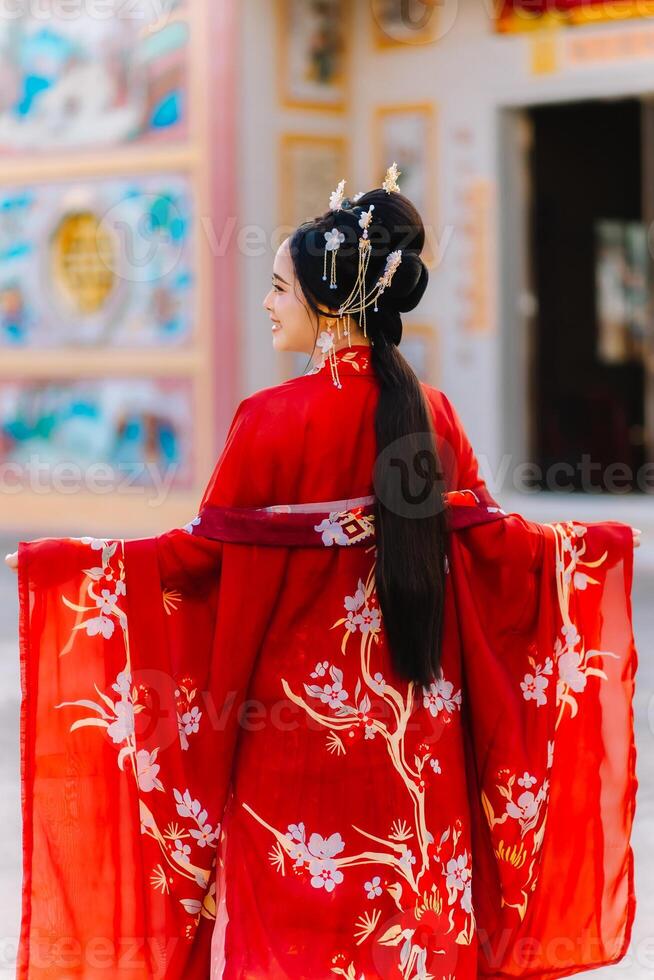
{"x":426,"y":878}
{"x":102,"y":591}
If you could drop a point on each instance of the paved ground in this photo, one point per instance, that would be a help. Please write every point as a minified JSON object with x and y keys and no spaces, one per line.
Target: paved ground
{"x":639,"y":964}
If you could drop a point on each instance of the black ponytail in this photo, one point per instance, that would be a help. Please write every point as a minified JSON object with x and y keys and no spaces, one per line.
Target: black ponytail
{"x":411,"y":528}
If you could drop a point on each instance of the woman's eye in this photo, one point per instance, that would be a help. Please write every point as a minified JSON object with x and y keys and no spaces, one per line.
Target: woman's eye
{"x":278,"y":289}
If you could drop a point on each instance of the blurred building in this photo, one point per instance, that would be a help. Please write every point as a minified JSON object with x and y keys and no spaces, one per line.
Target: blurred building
{"x":117,"y":343}
{"x":151,"y":166}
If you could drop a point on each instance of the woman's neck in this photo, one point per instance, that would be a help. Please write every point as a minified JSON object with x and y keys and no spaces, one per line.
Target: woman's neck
{"x":351,"y":341}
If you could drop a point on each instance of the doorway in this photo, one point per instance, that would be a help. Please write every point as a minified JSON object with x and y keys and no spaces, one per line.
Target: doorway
{"x":589,"y":281}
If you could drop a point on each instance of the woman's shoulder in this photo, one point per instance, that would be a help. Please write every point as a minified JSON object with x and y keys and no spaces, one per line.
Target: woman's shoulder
{"x":303,"y":394}
{"x":442,"y":408}
{"x":292,"y":400}
{"x":275,"y":398}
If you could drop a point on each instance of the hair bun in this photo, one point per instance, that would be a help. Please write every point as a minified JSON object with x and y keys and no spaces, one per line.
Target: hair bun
{"x":408,"y":284}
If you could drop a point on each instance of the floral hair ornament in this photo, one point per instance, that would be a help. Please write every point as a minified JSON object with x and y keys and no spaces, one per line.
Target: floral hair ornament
{"x":334,"y":238}
{"x":333,"y":241}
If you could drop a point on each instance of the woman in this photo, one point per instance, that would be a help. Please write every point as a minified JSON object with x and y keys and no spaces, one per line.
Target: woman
{"x":354,"y":719}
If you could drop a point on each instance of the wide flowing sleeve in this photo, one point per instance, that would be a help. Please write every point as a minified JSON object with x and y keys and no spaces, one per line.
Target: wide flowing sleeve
{"x":131,"y":695}
{"x":544,"y":620}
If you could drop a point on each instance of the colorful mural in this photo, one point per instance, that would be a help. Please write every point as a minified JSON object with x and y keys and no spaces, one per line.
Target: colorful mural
{"x":107,"y":79}
{"x":135,"y":429}
{"x":97,"y":263}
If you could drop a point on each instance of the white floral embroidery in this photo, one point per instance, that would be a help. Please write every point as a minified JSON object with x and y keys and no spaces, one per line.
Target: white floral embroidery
{"x":332,"y":694}
{"x":99,"y":626}
{"x":123,"y":727}
{"x":181,"y":852}
{"x":318,"y":855}
{"x":191,"y":524}
{"x":527,"y":781}
{"x":147,"y":769}
{"x":413,"y":958}
{"x":204,"y":835}
{"x":378,"y":683}
{"x":533,"y":688}
{"x":188,"y":723}
{"x":458,"y":879}
{"x":187,"y":806}
{"x":97,"y":544}
{"x":436,"y":766}
{"x":526,"y":809}
{"x":373,"y":887}
{"x":570,"y":672}
{"x":123,"y":683}
{"x":298,"y":848}
{"x":106,"y":602}
{"x":407,"y":859}
{"x":332,"y":532}
{"x":439,"y":696}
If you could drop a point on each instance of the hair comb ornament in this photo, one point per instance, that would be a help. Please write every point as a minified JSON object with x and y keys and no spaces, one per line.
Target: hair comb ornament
{"x":336,"y":197}
{"x":390,"y":183}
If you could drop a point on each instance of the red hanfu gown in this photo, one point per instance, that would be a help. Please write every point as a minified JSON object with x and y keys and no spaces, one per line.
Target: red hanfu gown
{"x":223,"y":776}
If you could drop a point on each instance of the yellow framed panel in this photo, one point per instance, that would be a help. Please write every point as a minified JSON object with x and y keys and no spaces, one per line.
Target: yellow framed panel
{"x":310,"y":167}
{"x":313,"y":52}
{"x":406,"y":133}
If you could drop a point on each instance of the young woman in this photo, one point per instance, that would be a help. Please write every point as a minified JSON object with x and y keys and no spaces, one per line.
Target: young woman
{"x":354,"y":719}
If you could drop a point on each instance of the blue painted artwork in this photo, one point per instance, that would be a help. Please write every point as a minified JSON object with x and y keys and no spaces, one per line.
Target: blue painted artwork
{"x":97,"y":263}
{"x":86,"y":80}
{"x":138,"y":428}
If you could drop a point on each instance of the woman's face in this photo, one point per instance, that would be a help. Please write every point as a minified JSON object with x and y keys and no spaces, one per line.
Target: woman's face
{"x":293,"y":322}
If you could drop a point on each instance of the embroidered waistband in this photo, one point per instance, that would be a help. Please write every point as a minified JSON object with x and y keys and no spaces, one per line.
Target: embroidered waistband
{"x":346,"y":522}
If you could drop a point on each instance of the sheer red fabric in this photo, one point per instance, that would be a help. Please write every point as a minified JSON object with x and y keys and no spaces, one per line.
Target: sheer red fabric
{"x":223,"y":775}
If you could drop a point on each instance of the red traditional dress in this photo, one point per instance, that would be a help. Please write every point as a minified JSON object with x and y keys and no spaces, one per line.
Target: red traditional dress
{"x":223,"y":775}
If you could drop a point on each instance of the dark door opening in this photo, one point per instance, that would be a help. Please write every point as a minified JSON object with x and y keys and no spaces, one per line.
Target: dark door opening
{"x":587,"y":392}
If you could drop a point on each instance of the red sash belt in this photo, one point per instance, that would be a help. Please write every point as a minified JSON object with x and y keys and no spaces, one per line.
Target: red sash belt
{"x":321,"y":526}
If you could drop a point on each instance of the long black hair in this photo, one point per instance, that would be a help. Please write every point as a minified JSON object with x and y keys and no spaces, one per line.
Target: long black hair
{"x":411,"y":527}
